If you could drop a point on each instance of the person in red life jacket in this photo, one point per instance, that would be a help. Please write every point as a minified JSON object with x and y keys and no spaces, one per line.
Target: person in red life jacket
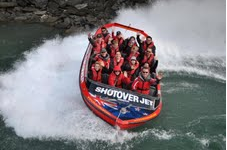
{"x":131,"y":68}
{"x":119,"y":37}
{"x":149,"y":58}
{"x":106,"y":35}
{"x":117,"y":78}
{"x":104,"y":59}
{"x":112,"y":48}
{"x":143,"y":82}
{"x":96,"y":72}
{"x":134,"y":52}
{"x":127,"y":46}
{"x":97,"y":43}
{"x":118,"y":60}
{"x":146,"y":43}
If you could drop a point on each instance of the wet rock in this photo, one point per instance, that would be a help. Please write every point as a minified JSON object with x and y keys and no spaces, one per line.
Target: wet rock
{"x":53,"y":8}
{"x":39,"y":3}
{"x":48,"y":18}
{"x":7,"y":4}
{"x":81,"y":6}
{"x":40,"y":12}
{"x":75,"y":11}
{"x":73,"y":2}
{"x":73,"y":15}
{"x":20,"y":18}
{"x":74,"y":29}
{"x":29,"y":9}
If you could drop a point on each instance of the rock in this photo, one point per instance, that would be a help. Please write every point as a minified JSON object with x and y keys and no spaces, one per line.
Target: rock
{"x":65,"y":24}
{"x":17,"y":9}
{"x":39,"y":3}
{"x":34,"y":19}
{"x":75,"y":11}
{"x":20,"y":18}
{"x":73,"y":2}
{"x":61,"y":3}
{"x":81,"y":6}
{"x":87,"y":27}
{"x":7,"y":4}
{"x":29,"y":9}
{"x":53,"y":8}
{"x":91,"y":19}
{"x":48,"y":19}
{"x":40,"y":12}
{"x":22,"y":3}
{"x":74,"y":29}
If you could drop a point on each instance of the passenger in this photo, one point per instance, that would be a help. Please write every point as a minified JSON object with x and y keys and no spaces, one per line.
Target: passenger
{"x":147,"y":43}
{"x":134,"y":52}
{"x":112,"y":48}
{"x":119,"y":37}
{"x":143,"y":82}
{"x":117,"y":78}
{"x":104,"y":59}
{"x":96,"y":72}
{"x":106,"y":35}
{"x":118,"y":60}
{"x":148,"y":57}
{"x":127,"y":46}
{"x":97,"y":43}
{"x":132,"y":68}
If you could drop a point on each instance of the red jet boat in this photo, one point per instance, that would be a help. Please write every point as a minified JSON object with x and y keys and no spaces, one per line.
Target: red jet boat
{"x":118,"y":107}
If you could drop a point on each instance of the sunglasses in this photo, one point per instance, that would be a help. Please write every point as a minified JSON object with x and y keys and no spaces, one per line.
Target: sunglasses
{"x":103,"y":30}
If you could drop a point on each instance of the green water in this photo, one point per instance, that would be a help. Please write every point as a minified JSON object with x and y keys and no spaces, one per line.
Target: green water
{"x":193,"y":114}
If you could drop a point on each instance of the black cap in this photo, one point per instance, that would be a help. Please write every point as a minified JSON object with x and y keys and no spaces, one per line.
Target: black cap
{"x":118,"y":32}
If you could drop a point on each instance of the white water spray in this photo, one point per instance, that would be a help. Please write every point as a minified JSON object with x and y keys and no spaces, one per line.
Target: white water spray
{"x":189,"y":35}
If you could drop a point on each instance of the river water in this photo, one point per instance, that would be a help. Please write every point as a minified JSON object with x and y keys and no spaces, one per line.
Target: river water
{"x":40,"y":102}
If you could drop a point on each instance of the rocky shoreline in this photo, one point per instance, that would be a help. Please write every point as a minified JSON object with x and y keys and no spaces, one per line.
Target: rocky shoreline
{"x":70,"y":15}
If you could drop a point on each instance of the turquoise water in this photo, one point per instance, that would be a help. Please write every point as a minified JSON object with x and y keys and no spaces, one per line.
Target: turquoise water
{"x":41,"y":107}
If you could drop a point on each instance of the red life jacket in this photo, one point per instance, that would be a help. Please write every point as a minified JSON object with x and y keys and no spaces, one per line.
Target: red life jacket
{"x":120,"y":63}
{"x":99,"y":46}
{"x":117,"y":80}
{"x":106,"y":37}
{"x":113,"y":51}
{"x":105,"y":60}
{"x":120,"y":40}
{"x":136,"y":55}
{"x":142,"y":86}
{"x":148,"y":60}
{"x":96,"y":76}
{"x":145,"y":45}
{"x":130,"y":73}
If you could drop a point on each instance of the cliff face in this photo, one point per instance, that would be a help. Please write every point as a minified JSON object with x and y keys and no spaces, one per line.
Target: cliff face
{"x":72,"y":15}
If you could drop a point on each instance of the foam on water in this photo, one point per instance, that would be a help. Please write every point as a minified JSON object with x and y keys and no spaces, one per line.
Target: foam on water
{"x":41,"y":98}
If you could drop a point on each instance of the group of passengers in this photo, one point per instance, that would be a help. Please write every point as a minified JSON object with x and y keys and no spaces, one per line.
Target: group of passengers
{"x":122,"y":62}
